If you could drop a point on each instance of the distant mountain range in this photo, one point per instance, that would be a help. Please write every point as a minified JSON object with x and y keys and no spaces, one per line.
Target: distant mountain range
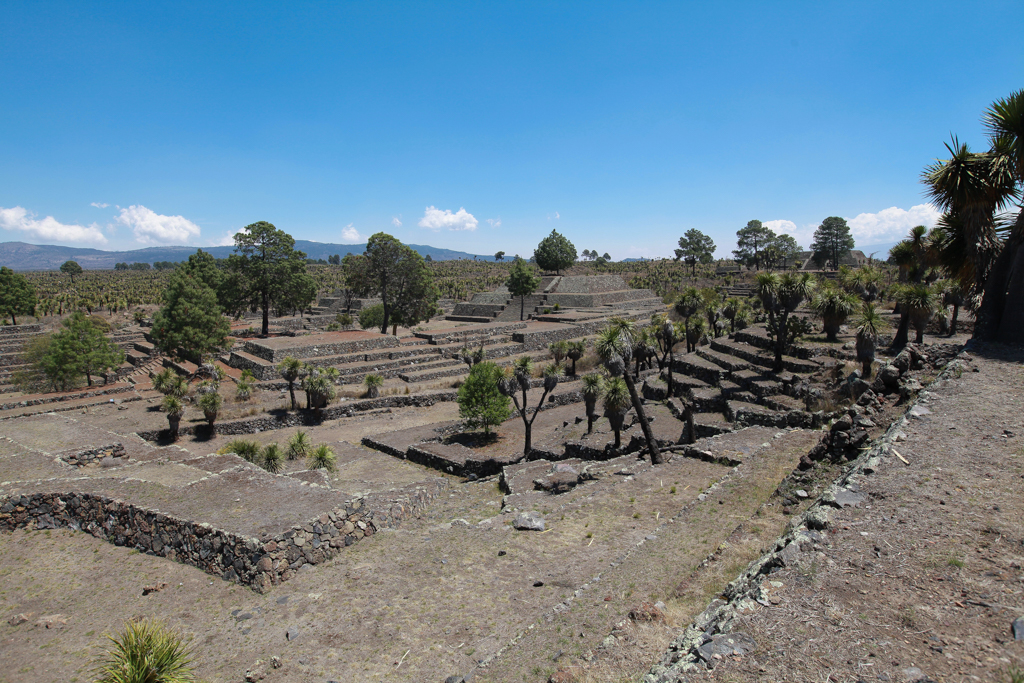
{"x":22,"y":256}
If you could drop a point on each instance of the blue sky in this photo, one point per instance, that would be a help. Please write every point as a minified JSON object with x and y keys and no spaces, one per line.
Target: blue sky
{"x":483,"y":126}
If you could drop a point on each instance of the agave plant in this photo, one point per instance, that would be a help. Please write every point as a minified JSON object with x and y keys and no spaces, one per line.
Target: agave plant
{"x":146,"y":651}
{"x":869,"y":325}
{"x":299,"y":445}
{"x":271,"y":458}
{"x":246,"y":449}
{"x":833,"y":306}
{"x":616,"y":401}
{"x":322,"y":458}
{"x":174,"y":408}
{"x":593,"y":388}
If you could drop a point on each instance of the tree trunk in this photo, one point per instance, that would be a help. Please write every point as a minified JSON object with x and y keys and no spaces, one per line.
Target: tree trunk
{"x":522,"y":307}
{"x":1011,"y":324}
{"x":691,"y":435}
{"x":952,"y":322}
{"x":88,"y":378}
{"x":266,"y":313}
{"x":902,"y":332}
{"x":291,"y":391}
{"x":780,"y":341}
{"x":652,"y":445}
{"x":14,"y":321}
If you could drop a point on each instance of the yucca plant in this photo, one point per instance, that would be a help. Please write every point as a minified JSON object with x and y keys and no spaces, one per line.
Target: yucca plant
{"x":299,"y":445}
{"x":162,"y":380}
{"x":558,"y":350}
{"x":574,"y":351}
{"x":243,"y":390}
{"x":146,"y":651}
{"x":616,"y":401}
{"x":833,"y":306}
{"x":290,"y":369}
{"x":869,"y":325}
{"x":174,"y":408}
{"x":373,"y":383}
{"x":210,"y":403}
{"x":517,"y":380}
{"x":322,"y":458}
{"x":593,"y":387}
{"x":245,"y":449}
{"x":271,"y":458}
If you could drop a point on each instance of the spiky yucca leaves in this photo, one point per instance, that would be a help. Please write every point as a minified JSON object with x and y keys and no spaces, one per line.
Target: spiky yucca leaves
{"x":517,"y":380}
{"x":162,"y":380}
{"x":574,"y":351}
{"x":869,"y":325}
{"x":290,"y":369}
{"x":593,"y":387}
{"x":558,"y":350}
{"x":174,"y":408}
{"x":730,"y":309}
{"x":246,"y":449}
{"x":373,"y":383}
{"x":210,"y":404}
{"x":322,"y":458}
{"x":780,"y":295}
{"x":146,"y":651}
{"x":695,"y":329}
{"x":688,"y":303}
{"x":833,"y":306}
{"x":616,"y":401}
{"x":920,"y":302}
{"x":271,"y":458}
{"x":299,"y":445}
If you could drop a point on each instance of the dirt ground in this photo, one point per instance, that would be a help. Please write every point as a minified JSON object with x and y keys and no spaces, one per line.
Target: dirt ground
{"x":925,"y":578}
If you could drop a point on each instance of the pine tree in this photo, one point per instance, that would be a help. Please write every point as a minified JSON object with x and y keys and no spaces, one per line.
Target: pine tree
{"x":17,"y":296}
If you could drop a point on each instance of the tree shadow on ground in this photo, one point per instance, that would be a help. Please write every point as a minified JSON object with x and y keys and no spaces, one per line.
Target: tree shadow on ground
{"x":472,"y":439}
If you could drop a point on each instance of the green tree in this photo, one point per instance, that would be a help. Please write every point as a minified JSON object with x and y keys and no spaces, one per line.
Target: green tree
{"x":521,"y":283}
{"x":555,"y":252}
{"x":517,"y":379}
{"x":190,"y":324}
{"x":869,"y":324}
{"x":72,"y":269}
{"x":751,"y":242}
{"x":17,"y":296}
{"x":269,"y":271}
{"x":833,"y":306}
{"x":291,"y":370}
{"x":616,"y":400}
{"x":80,"y":348}
{"x":372,"y":317}
{"x":481,"y":402}
{"x":593,"y":387}
{"x":779,"y":250}
{"x":499,"y":256}
{"x":695,"y":247}
{"x":397,"y":274}
{"x":832,"y":241}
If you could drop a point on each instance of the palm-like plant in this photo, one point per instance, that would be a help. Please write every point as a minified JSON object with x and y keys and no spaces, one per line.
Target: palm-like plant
{"x":373,"y":383}
{"x":869,"y":325}
{"x":290,"y":369}
{"x":299,"y":445}
{"x":162,"y":380}
{"x":517,"y":380}
{"x":711,"y":303}
{"x":246,"y":449}
{"x":574,"y":351}
{"x":688,"y":303}
{"x":210,"y":403}
{"x":952,"y":295}
{"x":615,"y":347}
{"x":174,"y":408}
{"x":780,"y":295}
{"x":558,"y":350}
{"x":833,"y":306}
{"x":694,"y":332}
{"x":322,"y":458}
{"x":593,"y":387}
{"x":920,"y":302}
{"x":146,"y":651}
{"x":271,"y":458}
{"x":616,"y":401}
{"x":243,"y":390}
{"x":730,"y":309}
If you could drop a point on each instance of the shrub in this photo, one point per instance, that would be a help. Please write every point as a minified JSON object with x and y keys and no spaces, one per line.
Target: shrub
{"x":146,"y":651}
{"x":480,"y":400}
{"x":299,"y":445}
{"x":371,"y":317}
{"x":243,"y":391}
{"x":373,"y":383}
{"x":244,"y":448}
{"x":272,"y":458}
{"x":322,"y":458}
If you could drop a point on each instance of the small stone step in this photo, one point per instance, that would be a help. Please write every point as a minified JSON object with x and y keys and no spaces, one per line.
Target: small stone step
{"x":762,"y":388}
{"x":752,"y":414}
{"x":725,"y":360}
{"x":706,"y":400}
{"x":695,"y":366}
{"x":710,"y":424}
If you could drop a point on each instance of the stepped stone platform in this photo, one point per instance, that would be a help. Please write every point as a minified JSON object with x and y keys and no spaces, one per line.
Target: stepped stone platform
{"x":217,"y":512}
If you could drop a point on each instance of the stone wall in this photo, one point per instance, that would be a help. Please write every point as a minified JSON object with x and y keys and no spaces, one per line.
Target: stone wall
{"x":92,"y":456}
{"x":254,"y":562}
{"x":314,"y":350}
{"x":65,"y":397}
{"x":13,"y":330}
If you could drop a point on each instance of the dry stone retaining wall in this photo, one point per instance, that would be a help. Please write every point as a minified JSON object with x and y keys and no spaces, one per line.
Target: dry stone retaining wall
{"x":92,"y":456}
{"x":254,"y":562}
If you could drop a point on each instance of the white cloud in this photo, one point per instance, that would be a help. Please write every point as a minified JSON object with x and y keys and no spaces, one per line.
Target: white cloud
{"x":554,"y":215}
{"x":228,"y":240}
{"x":435,"y":219}
{"x":892,"y":224}
{"x":396,"y":222}
{"x":48,"y":228}
{"x":494,"y":222}
{"x":100,"y":205}
{"x":153,"y":228}
{"x":350,"y":235}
